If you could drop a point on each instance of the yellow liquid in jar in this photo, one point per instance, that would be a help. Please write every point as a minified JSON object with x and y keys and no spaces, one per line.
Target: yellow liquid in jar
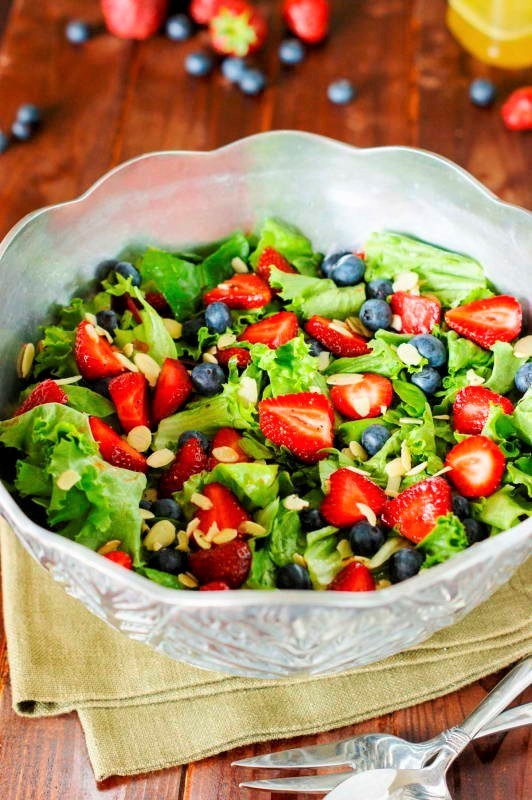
{"x":498,"y":32}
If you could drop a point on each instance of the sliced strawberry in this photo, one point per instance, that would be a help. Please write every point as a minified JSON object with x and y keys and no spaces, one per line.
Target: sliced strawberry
{"x":415,"y":511}
{"x":214,"y":586}
{"x":493,"y":319}
{"x":94,"y":355}
{"x":134,"y":307}
{"x":229,"y":438}
{"x":272,"y":331}
{"x":347,"y":489}
{"x":228,"y":563}
{"x":46,"y":392}
{"x":129,"y":393}
{"x":240,"y":291}
{"x":472,"y":407}
{"x":157,"y":300}
{"x":114,"y":449}
{"x":369,"y":397}
{"x":243,"y":357}
{"x":272,"y":258}
{"x":225,"y":512}
{"x":354,"y":578}
{"x":336,"y":337}
{"x":301,"y":422}
{"x":477,"y":464}
{"x":419,"y":313}
{"x":190,"y":459}
{"x":120,"y":558}
{"x":172,"y":390}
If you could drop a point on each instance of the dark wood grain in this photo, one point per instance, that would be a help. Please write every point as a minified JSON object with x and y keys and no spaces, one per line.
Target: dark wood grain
{"x":111,"y":100}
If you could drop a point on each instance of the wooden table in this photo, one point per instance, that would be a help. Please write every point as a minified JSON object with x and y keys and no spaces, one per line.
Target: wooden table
{"x":111,"y":100}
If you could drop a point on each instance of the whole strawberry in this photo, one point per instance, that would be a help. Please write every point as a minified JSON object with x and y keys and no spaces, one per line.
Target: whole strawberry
{"x":134,"y":19}
{"x":237,"y":28}
{"x":202,"y":11}
{"x":517,"y":110}
{"x":308,"y":19}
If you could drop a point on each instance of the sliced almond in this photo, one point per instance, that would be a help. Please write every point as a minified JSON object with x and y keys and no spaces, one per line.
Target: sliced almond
{"x":160,"y":458}
{"x":140,"y":438}
{"x":226,"y":340}
{"x":201,"y":501}
{"x":409,"y":355}
{"x":188,"y":580}
{"x":128,"y":349}
{"x":67,"y":479}
{"x":417,"y":469}
{"x":339,"y":326}
{"x":441,"y":416}
{"x":148,"y":366}
{"x":25,"y":359}
{"x":442,"y":471}
{"x":362,"y":406}
{"x":146,"y":513}
{"x":248,"y":391}
{"x":396,"y":323}
{"x":88,"y":317}
{"x":201,"y":540}
{"x":383,"y":583}
{"x":395,"y":467}
{"x":410,"y":421}
{"x":208,"y":358}
{"x":225,"y":535}
{"x":109,"y":547}
{"x":473,"y":379}
{"x":182,"y":541}
{"x":367,"y":512}
{"x":68,"y":381}
{"x":393,"y":486}
{"x":213,"y":530}
{"x":129,"y":365}
{"x":345,"y":379}
{"x":150,"y":495}
{"x":324,"y":359}
{"x":406,"y":281}
{"x":406,"y":458}
{"x":226,"y":455}
{"x":239,"y":265}
{"x":192,"y":525}
{"x":102,"y":332}
{"x":162,"y":534}
{"x":295,"y":503}
{"x":174,"y":328}
{"x":91,"y":332}
{"x":358,"y":471}
{"x":344,"y":548}
{"x":389,"y":547}
{"x":358,"y":451}
{"x":357,"y":326}
{"x":251,"y":528}
{"x":523,"y":347}
{"x":297,"y":558}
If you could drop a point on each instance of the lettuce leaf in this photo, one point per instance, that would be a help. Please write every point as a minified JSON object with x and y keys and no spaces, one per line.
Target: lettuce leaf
{"x":263,"y":570}
{"x":290,"y":368}
{"x":322,"y":557}
{"x":291,"y":243}
{"x":505,"y":365}
{"x":383,"y":360}
{"x":464,"y":355}
{"x":520,"y":473}
{"x":504,"y":509}
{"x":412,"y":398}
{"x":162,"y":578}
{"x":56,"y":356}
{"x":522,"y":417}
{"x":87,"y":401}
{"x":152,"y":331}
{"x":255,"y":485}
{"x":446,"y":540}
{"x":309,"y":296}
{"x":283,"y":527}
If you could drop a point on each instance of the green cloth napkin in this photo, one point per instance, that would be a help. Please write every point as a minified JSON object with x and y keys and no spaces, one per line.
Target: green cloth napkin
{"x":141,"y":711}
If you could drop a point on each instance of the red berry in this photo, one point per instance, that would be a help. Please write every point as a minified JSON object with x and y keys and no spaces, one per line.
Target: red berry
{"x":227,"y":437}
{"x":228,"y":563}
{"x":419,"y":313}
{"x":336,"y":337}
{"x":129,"y":393}
{"x":415,"y":511}
{"x":225,"y":512}
{"x":237,"y":28}
{"x":190,"y":459}
{"x":493,"y":319}
{"x":308,"y":19}
{"x":369,"y":397}
{"x":273,"y":331}
{"x":134,"y":19}
{"x":471,"y":408}
{"x":173,"y":389}
{"x":355,"y":577}
{"x":478,"y":465}
{"x":301,"y":422}
{"x":517,"y":110}
{"x":46,"y":392}
{"x":272,"y":258}
{"x":94,"y":355}
{"x":243,"y":357}
{"x":121,"y":558}
{"x":240,"y":291}
{"x":347,"y":489}
{"x":202,"y":11}
{"x":114,"y":449}
{"x":214,"y":586}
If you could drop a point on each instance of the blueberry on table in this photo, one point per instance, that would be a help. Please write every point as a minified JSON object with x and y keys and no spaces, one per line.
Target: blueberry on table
{"x":427,"y":379}
{"x":22,"y":131}
{"x":191,"y":327}
{"x":107,"y":319}
{"x":379,"y":289}
{"x":374,"y":438}
{"x":233,"y":68}
{"x":208,"y":379}
{"x":77,"y":31}
{"x":404,"y":564}
{"x":523,"y":378}
{"x":167,"y":559}
{"x":375,"y":314}
{"x":179,"y":28}
{"x":348,"y":270}
{"x":167,"y":508}
{"x":311,"y":519}
{"x":293,"y":576}
{"x":127,"y":270}
{"x":461,"y":506}
{"x":29,"y":114}
{"x":202,"y":439}
{"x":252,"y":81}
{"x":475,"y":531}
{"x":217,"y":317}
{"x":431,"y":348}
{"x":482,"y":92}
{"x":366,"y":539}
{"x":4,"y":142}
{"x":341,"y":92}
{"x":291,"y":52}
{"x":330,"y":261}
{"x":199,"y":64}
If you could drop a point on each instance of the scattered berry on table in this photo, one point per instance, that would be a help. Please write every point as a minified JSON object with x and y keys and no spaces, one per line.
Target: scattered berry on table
{"x":404,"y":564}
{"x":427,"y":379}
{"x":22,"y":131}
{"x":461,"y":506}
{"x":134,"y":19}
{"x":168,"y":508}
{"x":29,"y":114}
{"x":332,"y":260}
{"x":237,"y":28}
{"x":233,"y":68}
{"x":517,"y":110}
{"x":168,"y":559}
{"x":291,"y":52}
{"x":77,"y":31}
{"x":375,"y":314}
{"x":217,"y":317}
{"x":348,"y":270}
{"x":202,"y":11}
{"x":107,"y":319}
{"x":199,"y":64}
{"x":202,"y":439}
{"x":293,"y":576}
{"x":365,"y":539}
{"x":191,"y":327}
{"x":374,"y":438}
{"x":482,"y":92}
{"x":431,"y":348}
{"x":308,"y":19}
{"x":475,"y":531}
{"x":252,"y":82}
{"x":179,"y":28}
{"x":379,"y":289}
{"x":341,"y":92}
{"x":4,"y":142}
{"x":208,"y":379}
{"x":311,"y":519}
{"x":127,"y":270}
{"x":523,"y":377}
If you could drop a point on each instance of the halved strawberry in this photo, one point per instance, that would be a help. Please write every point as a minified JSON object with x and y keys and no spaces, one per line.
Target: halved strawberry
{"x":133,"y":306}
{"x":114,"y":449}
{"x":46,"y":392}
{"x":471,"y":408}
{"x":129,"y":393}
{"x":477,"y":464}
{"x":172,"y":390}
{"x":229,"y":438}
{"x":272,"y":258}
{"x":225,"y":512}
{"x":272,"y":331}
{"x":190,"y":459}
{"x":228,"y":563}
{"x":243,"y":357}
{"x":336,"y":337}
{"x":348,"y":489}
{"x":354,"y":578}
{"x":301,"y":422}
{"x":120,"y":558}
{"x":370,"y":396}
{"x":240,"y":291}
{"x":493,"y":319}
{"x":419,"y":313}
{"x":415,"y":511}
{"x":214,"y":586}
{"x":94,"y":355}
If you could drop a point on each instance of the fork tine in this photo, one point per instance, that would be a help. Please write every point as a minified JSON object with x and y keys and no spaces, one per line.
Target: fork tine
{"x":333,"y":754}
{"x":307,"y":784}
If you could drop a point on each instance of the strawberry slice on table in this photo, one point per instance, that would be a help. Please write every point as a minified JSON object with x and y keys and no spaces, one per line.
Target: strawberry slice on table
{"x":94,"y":355}
{"x":336,"y":337}
{"x":227,"y":438}
{"x":355,"y":577}
{"x":493,"y":319}
{"x":202,"y":11}
{"x":471,"y":408}
{"x":308,"y":19}
{"x":273,"y":331}
{"x":226,"y":563}
{"x":46,"y":392}
{"x":172,"y":390}
{"x":241,"y":292}
{"x":243,"y":357}
{"x":190,"y":459}
{"x":237,"y":28}
{"x":114,"y":449}
{"x":134,"y":19}
{"x":225,"y":512}
{"x":302,"y":422}
{"x":272,"y":258}
{"x":369,"y":395}
{"x":477,"y":464}
{"x":129,"y":393}
{"x":348,"y":492}
{"x":419,"y":313}
{"x":415,"y":511}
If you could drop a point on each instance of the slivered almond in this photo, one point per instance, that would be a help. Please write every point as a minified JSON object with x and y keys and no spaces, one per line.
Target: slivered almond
{"x":90,"y":318}
{"x":174,"y":328}
{"x":367,"y":512}
{"x":344,"y":548}
{"x":345,"y":379}
{"x":442,"y":472}
{"x":362,"y":406}
{"x":248,"y":391}
{"x":295,"y":503}
{"x":67,"y":479}
{"x":393,"y":486}
{"x":417,"y":469}
{"x":148,"y":366}
{"x":208,"y":358}
{"x":160,"y":458}
{"x":213,"y":530}
{"x":150,"y":495}
{"x":251,"y":528}
{"x":297,"y":558}
{"x":140,"y":438}
{"x":126,"y":362}
{"x":239,"y":265}
{"x":396,"y":323}
{"x":226,"y":340}
{"x":109,"y":547}
{"x":188,"y":580}
{"x":91,"y":332}
{"x":162,"y":534}
{"x":339,"y":327}
{"x":382,"y":584}
{"x":225,"y":454}
{"x":201,"y":540}
{"x":128,"y":349}
{"x":102,"y":332}
{"x":409,"y":355}
{"x":192,"y":525}
{"x":182,"y":541}
{"x":406,"y":458}
{"x":324,"y":359}
{"x":389,"y":547}
{"x":395,"y":467}
{"x":25,"y":360}
{"x":357,"y":326}
{"x":225,"y":535}
{"x":358,"y":471}
{"x":358,"y":451}
{"x":67,"y":381}
{"x":201,"y":501}
{"x":146,"y":514}
{"x":406,"y":281}
{"x":441,"y":416}
{"x":410,"y":421}
{"x":523,"y":348}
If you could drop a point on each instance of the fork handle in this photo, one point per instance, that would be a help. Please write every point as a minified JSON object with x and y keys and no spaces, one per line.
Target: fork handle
{"x":512,"y":718}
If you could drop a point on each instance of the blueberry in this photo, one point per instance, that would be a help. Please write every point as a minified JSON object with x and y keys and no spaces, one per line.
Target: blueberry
{"x":179,"y":28}
{"x":191,"y":327}
{"x":404,"y":564}
{"x":102,"y":387}
{"x":208,"y":378}
{"x":252,"y":81}
{"x":523,"y":377}
{"x":348,"y":271}
{"x":217,"y":317}
{"x":167,"y":508}
{"x":427,"y":379}
{"x":430,"y":348}
{"x":475,"y":531}
{"x":315,"y":347}
{"x":105,"y":267}
{"x":293,"y":576}
{"x":482,"y":92}
{"x":233,"y":68}
{"x":202,"y":439}
{"x":461,"y":506}
{"x":22,"y":131}
{"x":107,"y":319}
{"x":366,"y":539}
{"x":379,"y":289}
{"x":374,"y":438}
{"x":4,"y":142}
{"x":29,"y":114}
{"x":127,"y":270}
{"x":199,"y":64}
{"x":77,"y":31}
{"x":146,"y":505}
{"x":376,"y":314}
{"x":311,"y":519}
{"x":330,"y":261}
{"x":341,"y":92}
{"x":291,"y":52}
{"x":167,"y":559}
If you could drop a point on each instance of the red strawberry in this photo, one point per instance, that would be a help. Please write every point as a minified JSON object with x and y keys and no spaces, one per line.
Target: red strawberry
{"x":346,"y":490}
{"x":227,"y":437}
{"x":517,"y":110}
{"x":226,"y":511}
{"x":494,"y":319}
{"x":271,"y":258}
{"x":172,"y":390}
{"x":354,"y":578}
{"x":121,"y":558}
{"x":133,"y":306}
{"x":301,"y":422}
{"x":202,"y":11}
{"x":46,"y":392}
{"x":129,"y":393}
{"x":228,"y":563}
{"x":94,"y":355}
{"x":157,"y":301}
{"x":472,"y":407}
{"x":369,"y":397}
{"x":214,"y":586}
{"x":240,"y":291}
{"x":415,"y":511}
{"x":419,"y":313}
{"x":243,"y":357}
{"x":308,"y":19}
{"x":190,"y":459}
{"x":237,"y":28}
{"x":134,"y":19}
{"x":478,"y":465}
{"x":114,"y":449}
{"x":272,"y":331}
{"x":336,"y":337}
